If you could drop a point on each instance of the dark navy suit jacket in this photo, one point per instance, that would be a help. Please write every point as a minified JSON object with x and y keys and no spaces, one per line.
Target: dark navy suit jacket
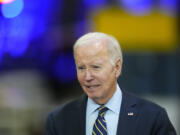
{"x":137,"y":117}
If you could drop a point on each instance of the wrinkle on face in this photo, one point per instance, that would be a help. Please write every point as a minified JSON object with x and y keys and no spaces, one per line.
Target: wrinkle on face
{"x":98,"y":83}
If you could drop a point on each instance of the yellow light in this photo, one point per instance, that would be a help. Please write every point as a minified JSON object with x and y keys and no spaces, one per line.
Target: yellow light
{"x":5,"y":1}
{"x":152,"y":32}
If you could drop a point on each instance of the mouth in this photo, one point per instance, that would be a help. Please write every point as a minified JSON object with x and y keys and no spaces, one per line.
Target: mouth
{"x":92,"y":86}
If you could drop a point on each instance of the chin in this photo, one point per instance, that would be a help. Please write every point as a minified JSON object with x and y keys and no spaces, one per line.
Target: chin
{"x":93,"y":93}
{"x":93,"y":96}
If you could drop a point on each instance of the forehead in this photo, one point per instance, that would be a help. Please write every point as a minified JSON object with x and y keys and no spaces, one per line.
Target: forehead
{"x":92,"y":50}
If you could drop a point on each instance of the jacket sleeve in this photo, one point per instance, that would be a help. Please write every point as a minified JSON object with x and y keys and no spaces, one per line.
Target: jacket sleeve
{"x":162,"y":125}
{"x":49,"y":129}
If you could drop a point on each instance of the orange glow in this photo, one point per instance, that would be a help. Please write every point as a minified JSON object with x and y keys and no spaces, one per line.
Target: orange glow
{"x":5,"y":1}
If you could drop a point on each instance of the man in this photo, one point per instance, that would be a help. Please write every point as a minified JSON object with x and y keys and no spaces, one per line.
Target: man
{"x":105,"y":109}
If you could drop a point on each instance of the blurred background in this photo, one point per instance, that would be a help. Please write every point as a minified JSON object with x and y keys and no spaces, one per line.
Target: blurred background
{"x":37,"y":69}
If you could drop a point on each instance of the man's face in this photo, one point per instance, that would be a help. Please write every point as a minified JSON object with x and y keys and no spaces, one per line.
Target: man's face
{"x":95,"y":73}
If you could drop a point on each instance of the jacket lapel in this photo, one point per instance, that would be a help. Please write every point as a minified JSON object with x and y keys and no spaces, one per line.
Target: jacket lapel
{"x":82,"y":114}
{"x":128,"y":115}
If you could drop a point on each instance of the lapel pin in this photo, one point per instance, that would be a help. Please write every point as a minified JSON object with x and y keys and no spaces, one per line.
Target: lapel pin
{"x":130,"y":114}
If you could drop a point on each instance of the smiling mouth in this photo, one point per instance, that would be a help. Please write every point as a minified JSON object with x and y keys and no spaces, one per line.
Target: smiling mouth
{"x":92,"y":86}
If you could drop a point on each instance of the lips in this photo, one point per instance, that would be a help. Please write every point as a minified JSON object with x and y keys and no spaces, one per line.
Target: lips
{"x":92,"y":86}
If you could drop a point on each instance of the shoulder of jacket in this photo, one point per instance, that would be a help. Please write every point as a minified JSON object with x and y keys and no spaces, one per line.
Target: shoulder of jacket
{"x":69,"y":105}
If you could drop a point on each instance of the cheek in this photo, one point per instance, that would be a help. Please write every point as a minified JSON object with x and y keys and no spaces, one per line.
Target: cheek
{"x":108,"y":79}
{"x":106,"y":75}
{"x":79,"y":77}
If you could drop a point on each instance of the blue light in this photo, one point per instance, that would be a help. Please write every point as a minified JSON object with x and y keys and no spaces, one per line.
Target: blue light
{"x":94,"y":3}
{"x":17,"y":47}
{"x":15,"y":35}
{"x":12,"y":9}
{"x":138,"y":7}
{"x":65,"y":69}
{"x":82,"y":27}
{"x":1,"y":50}
{"x":170,"y":6}
{"x":22,"y":25}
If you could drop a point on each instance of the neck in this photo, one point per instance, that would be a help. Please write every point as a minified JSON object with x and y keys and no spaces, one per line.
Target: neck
{"x":103,"y":101}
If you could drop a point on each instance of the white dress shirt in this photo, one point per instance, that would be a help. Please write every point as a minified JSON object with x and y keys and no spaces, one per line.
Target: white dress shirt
{"x":111,"y":116}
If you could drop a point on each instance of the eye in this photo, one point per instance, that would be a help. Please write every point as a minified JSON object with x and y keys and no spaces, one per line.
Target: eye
{"x":96,"y":67}
{"x":81,"y":67}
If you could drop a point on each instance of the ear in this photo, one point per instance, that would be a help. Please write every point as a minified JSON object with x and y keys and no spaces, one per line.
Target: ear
{"x":118,"y":67}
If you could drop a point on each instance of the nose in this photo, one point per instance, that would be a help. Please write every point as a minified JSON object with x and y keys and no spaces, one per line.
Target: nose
{"x":88,"y":75}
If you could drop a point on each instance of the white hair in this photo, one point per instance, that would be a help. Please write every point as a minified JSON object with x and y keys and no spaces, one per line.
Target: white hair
{"x":114,"y":48}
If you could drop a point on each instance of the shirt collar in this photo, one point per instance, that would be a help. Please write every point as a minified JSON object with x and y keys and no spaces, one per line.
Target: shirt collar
{"x":113,"y":104}
{"x":91,"y":106}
